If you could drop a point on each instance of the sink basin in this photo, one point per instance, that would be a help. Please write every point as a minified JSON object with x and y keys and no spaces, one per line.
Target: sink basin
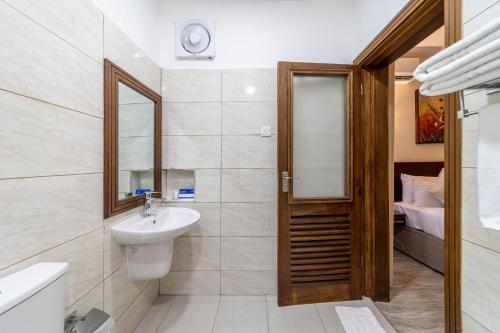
{"x":149,"y":241}
{"x":165,"y":224}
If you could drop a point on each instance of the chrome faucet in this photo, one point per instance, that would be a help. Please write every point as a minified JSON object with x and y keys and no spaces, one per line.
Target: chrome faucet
{"x":148,"y":202}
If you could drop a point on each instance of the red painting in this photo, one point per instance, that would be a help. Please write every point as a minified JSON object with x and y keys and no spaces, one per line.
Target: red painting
{"x":429,"y":118}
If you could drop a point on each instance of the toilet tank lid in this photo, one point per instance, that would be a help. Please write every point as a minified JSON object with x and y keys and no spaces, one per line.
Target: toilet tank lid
{"x":18,"y":286}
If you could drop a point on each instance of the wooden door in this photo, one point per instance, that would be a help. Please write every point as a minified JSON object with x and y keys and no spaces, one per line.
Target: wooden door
{"x":319,"y":204}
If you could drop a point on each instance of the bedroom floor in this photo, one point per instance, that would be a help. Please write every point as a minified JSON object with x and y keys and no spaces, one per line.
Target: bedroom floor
{"x":417,"y":297}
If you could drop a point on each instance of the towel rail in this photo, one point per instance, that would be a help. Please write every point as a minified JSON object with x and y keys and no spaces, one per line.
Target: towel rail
{"x":491,"y":87}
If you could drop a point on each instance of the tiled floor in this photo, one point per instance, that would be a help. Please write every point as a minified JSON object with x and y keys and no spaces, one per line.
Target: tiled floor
{"x":244,"y":314}
{"x":417,"y":297}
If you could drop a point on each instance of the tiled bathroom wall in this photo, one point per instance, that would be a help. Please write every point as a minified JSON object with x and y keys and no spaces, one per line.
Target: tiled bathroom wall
{"x":51,"y":169}
{"x":480,"y":246}
{"x":212,"y":123}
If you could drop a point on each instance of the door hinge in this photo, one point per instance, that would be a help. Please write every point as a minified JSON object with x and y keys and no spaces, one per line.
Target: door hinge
{"x":362,"y":91}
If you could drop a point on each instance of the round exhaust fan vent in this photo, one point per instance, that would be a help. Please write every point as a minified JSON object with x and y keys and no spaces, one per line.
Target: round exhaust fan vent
{"x":194,"y":40}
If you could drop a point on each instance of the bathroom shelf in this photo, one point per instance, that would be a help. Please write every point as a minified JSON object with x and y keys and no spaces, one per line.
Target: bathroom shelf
{"x":175,"y":179}
{"x":178,"y":201}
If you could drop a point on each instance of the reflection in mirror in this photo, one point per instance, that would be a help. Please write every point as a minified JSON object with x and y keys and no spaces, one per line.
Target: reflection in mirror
{"x":136,"y":118}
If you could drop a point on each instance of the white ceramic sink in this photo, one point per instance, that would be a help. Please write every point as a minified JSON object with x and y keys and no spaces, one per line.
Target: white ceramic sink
{"x":149,"y":240}
{"x":165,"y":224}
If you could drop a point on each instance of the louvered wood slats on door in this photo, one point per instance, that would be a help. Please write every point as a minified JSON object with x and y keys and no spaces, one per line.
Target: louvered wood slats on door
{"x":320,"y":249}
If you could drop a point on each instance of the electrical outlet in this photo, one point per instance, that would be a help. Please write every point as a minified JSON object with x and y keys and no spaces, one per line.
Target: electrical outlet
{"x":265,"y":131}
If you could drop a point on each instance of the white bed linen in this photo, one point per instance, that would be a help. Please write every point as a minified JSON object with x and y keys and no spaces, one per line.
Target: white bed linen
{"x":427,"y":219}
{"x":433,"y":221}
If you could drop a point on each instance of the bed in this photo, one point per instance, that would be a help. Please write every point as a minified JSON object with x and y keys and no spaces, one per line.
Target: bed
{"x":421,"y":236}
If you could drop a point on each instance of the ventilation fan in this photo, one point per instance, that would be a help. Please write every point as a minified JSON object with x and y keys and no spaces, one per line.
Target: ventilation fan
{"x":195,"y":40}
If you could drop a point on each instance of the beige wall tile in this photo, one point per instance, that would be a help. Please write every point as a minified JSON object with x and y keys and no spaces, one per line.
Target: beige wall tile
{"x":94,"y":299}
{"x":114,"y":253}
{"x":84,"y":256}
{"x":248,"y":282}
{"x":120,"y":292}
{"x":248,"y":219}
{"x":209,"y":223}
{"x":155,"y":314}
{"x":249,"y":151}
{"x":191,"y":152}
{"x":189,"y":85}
{"x":208,"y":183}
{"x":40,"y":213}
{"x":469,"y":325}
{"x":196,"y":254}
{"x":40,"y":139}
{"x":471,"y":8}
{"x":29,"y":67}
{"x":248,"y":253}
{"x":486,"y":15}
{"x":84,"y":33}
{"x":244,"y":118}
{"x":248,"y":185}
{"x":249,"y":85}
{"x":472,"y":229}
{"x":480,"y":288}
{"x":191,"y":283}
{"x":480,"y":292}
{"x":191,"y":118}
{"x":469,"y":142}
{"x":123,"y":52}
{"x":131,"y":318}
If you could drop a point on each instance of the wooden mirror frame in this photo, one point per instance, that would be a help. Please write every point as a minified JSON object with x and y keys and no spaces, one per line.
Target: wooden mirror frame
{"x":113,"y":75}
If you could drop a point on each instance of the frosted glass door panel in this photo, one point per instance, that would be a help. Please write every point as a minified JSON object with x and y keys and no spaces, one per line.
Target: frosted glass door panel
{"x":319,"y":136}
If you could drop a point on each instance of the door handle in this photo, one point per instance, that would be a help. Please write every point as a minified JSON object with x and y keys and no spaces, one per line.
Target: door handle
{"x":284,"y":181}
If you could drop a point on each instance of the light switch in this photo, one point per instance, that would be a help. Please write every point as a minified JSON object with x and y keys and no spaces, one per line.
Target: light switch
{"x":265,"y":131}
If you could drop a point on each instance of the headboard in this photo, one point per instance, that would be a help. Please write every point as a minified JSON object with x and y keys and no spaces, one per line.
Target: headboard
{"x":429,"y":169}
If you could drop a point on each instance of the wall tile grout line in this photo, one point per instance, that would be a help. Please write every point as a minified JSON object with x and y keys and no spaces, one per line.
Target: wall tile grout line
{"x":267,"y":314}
{"x":52,"y":248}
{"x":133,"y":301}
{"x":475,"y":320}
{"x":54,"y":33}
{"x":220,"y":189}
{"x":86,"y":294}
{"x":53,"y":104}
{"x":484,"y":247}
{"x":58,"y":175}
{"x":481,"y":12}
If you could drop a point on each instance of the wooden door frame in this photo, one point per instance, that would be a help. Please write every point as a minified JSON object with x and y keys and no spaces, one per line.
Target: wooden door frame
{"x":417,"y":20}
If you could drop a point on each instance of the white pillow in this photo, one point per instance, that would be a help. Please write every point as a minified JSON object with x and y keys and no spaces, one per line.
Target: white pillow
{"x":407,"y":182}
{"x":437,"y":191}
{"x":422,"y":195}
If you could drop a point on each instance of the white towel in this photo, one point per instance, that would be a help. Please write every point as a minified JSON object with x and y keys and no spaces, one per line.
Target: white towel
{"x":482,"y":74}
{"x":473,"y":60}
{"x":483,"y":36}
{"x":488,"y":171}
{"x":358,"y":320}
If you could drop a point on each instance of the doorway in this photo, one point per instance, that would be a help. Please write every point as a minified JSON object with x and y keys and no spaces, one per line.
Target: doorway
{"x":416,"y":197}
{"x":417,"y":20}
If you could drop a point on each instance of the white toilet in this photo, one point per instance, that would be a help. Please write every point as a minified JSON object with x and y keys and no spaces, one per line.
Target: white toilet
{"x":32,"y":300}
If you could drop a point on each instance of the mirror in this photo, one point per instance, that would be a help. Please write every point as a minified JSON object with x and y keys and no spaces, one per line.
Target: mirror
{"x":132,"y":143}
{"x":136,"y":115}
